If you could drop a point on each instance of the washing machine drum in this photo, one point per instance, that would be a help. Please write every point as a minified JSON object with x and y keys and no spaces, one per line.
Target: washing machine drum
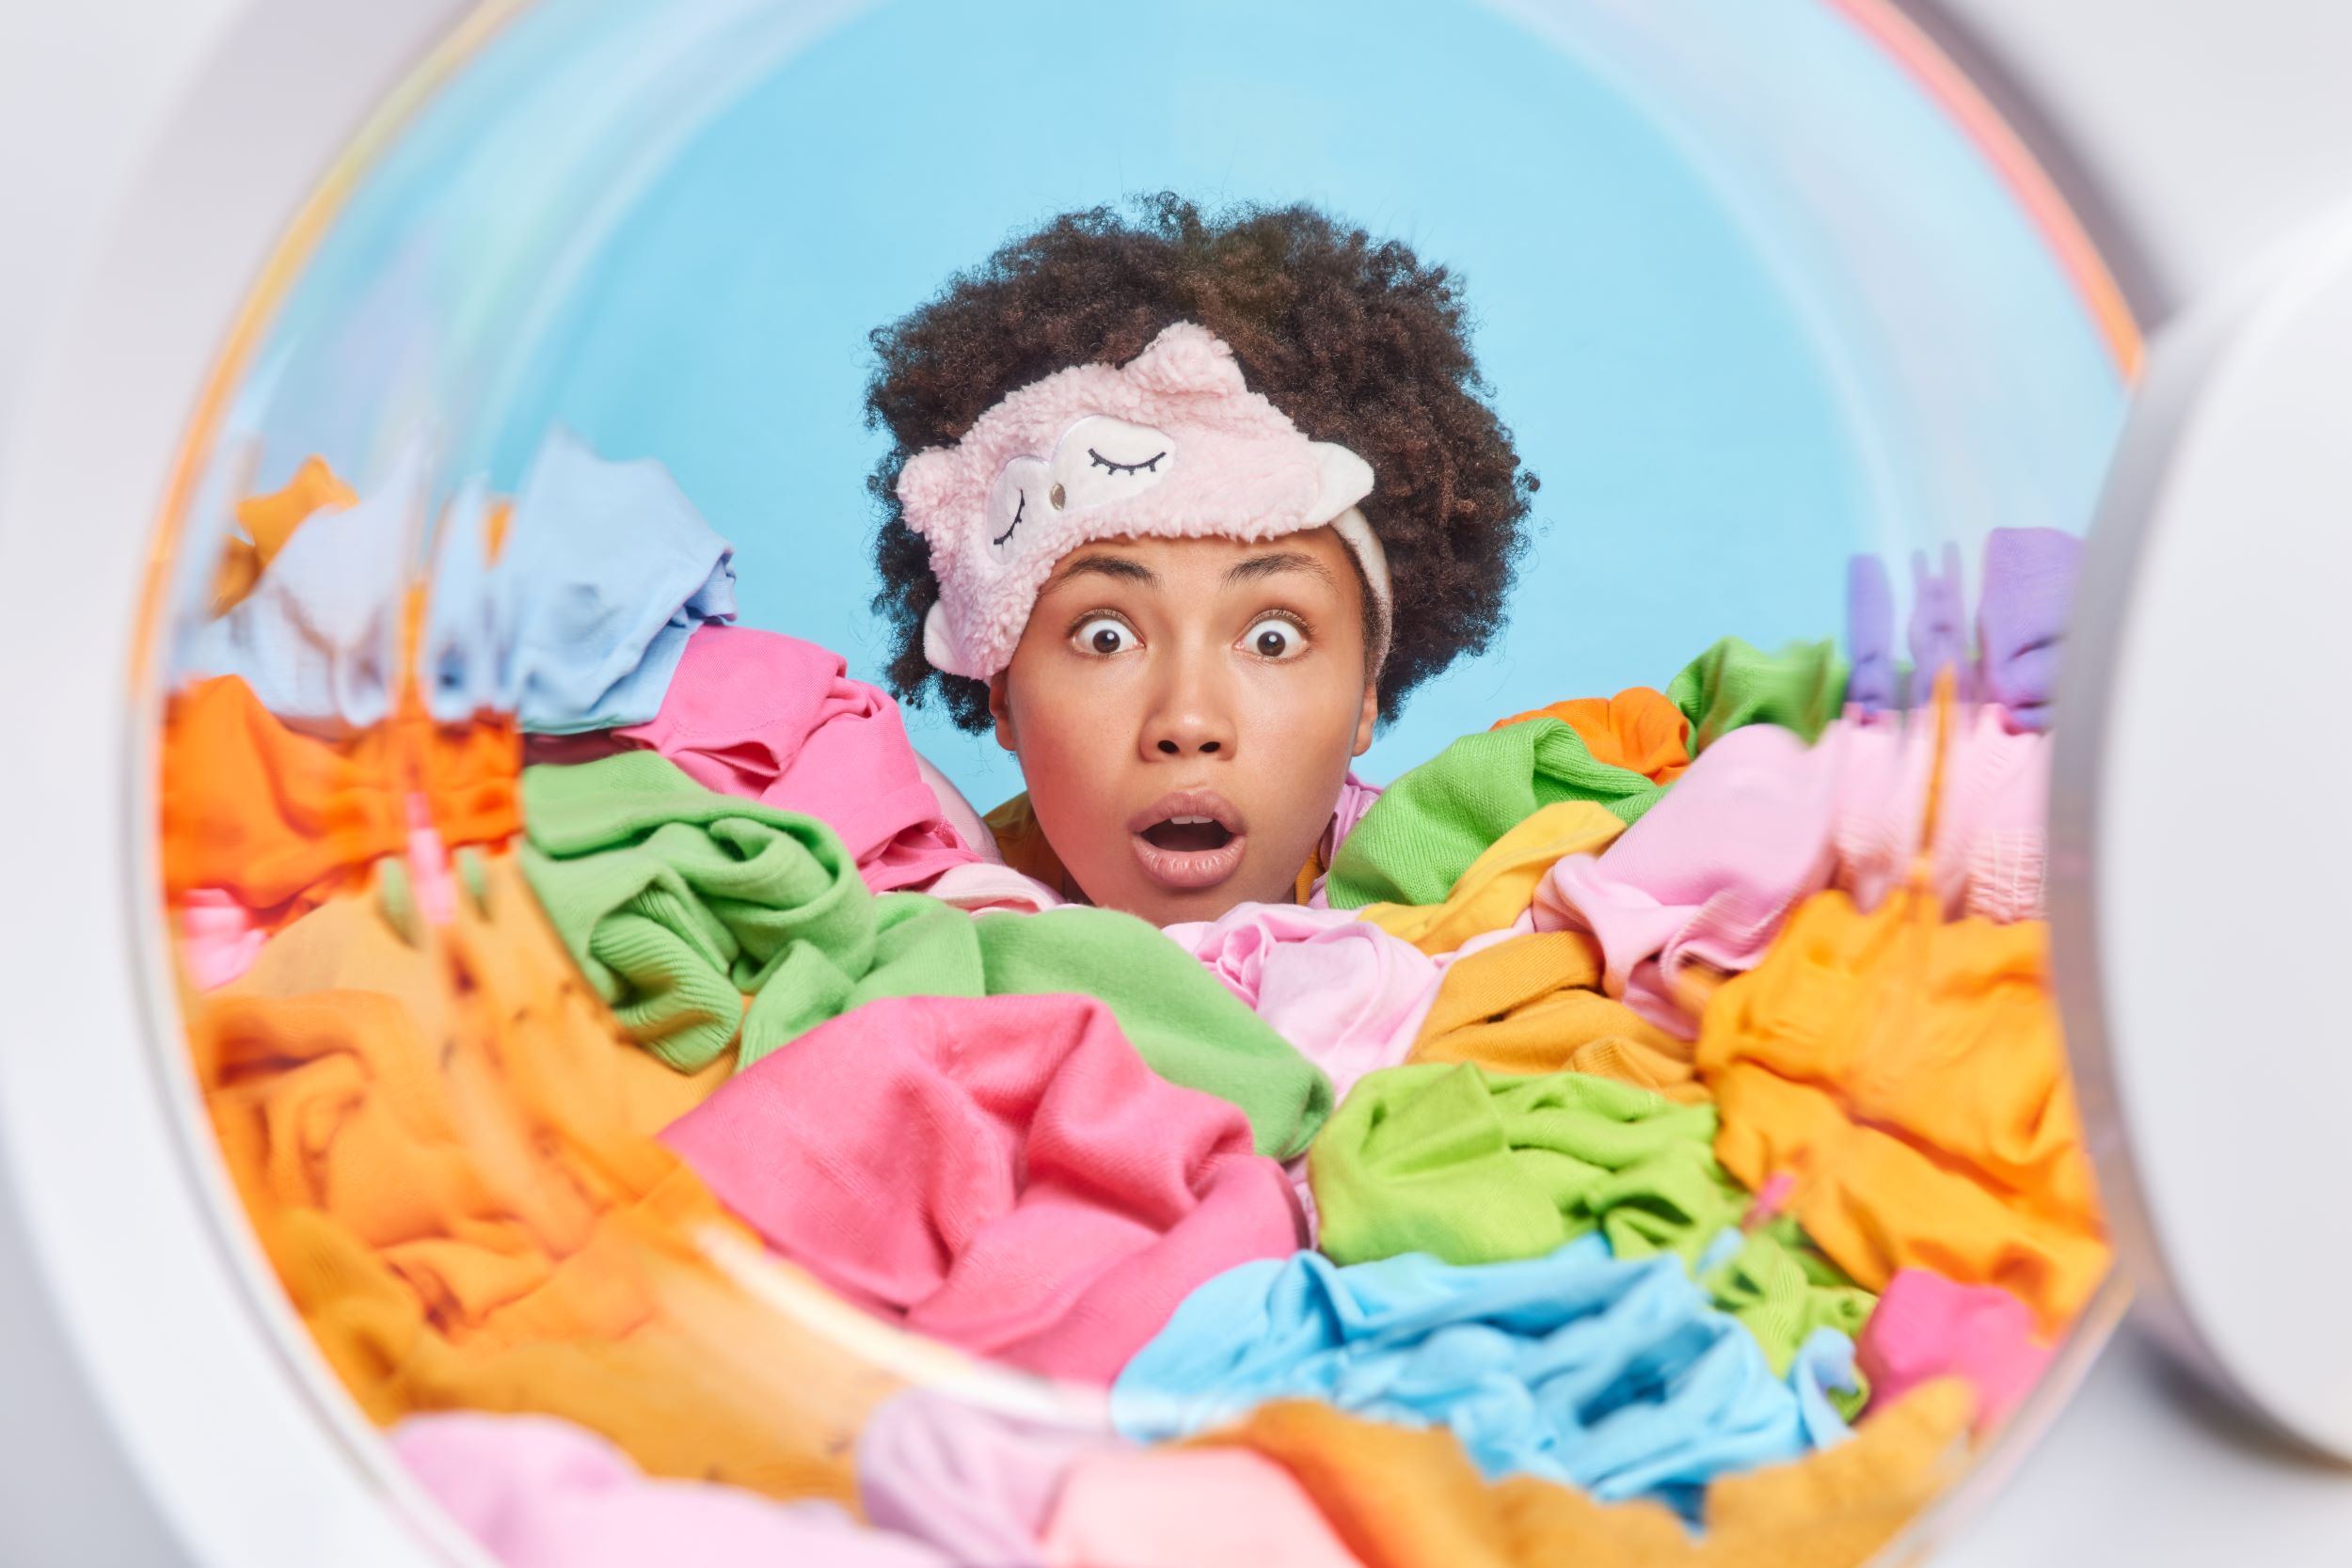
{"x":680,"y":1124}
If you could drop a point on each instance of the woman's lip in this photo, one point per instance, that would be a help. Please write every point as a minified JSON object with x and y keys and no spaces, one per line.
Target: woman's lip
{"x":1188,"y":869}
{"x":1190,"y":802}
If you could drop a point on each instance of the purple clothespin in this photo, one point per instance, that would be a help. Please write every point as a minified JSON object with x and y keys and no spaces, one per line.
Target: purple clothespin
{"x":1939,"y":626}
{"x":2028,"y":588}
{"x":1870,"y":635}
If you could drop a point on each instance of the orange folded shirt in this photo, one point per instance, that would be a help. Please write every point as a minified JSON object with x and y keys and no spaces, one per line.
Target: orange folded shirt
{"x":1407,"y":1498}
{"x":1637,"y":730}
{"x":282,"y":821}
{"x":1910,"y":1075}
{"x":446,"y":1149}
{"x":1533,"y":1005}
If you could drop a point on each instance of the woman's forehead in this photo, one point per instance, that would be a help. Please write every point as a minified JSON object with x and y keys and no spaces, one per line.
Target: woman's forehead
{"x":1315,"y":555}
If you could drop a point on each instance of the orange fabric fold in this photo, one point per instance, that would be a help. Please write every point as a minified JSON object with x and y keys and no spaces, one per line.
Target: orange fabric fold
{"x":269,"y":521}
{"x":1407,"y":1498}
{"x":1911,"y":1076}
{"x":1638,"y":730}
{"x":283,"y":820}
{"x":1533,"y":1005}
{"x":446,"y":1149}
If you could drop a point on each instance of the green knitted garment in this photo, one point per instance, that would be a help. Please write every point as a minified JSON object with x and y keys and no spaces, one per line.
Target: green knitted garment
{"x":1470,"y":1167}
{"x":1426,"y":828}
{"x":1731,"y":685}
{"x":676,"y":901}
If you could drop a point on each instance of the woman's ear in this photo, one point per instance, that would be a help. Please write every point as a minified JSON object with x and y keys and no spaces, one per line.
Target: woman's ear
{"x":1364,"y":719}
{"x":1000,"y":709}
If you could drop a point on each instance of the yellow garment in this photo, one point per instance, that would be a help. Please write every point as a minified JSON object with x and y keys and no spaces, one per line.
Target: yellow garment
{"x":1499,"y":885}
{"x":269,"y":521}
{"x":447,"y":1152}
{"x":1533,"y":1005}
{"x":1407,"y":1498}
{"x":1910,"y":1074}
{"x":1639,"y":730}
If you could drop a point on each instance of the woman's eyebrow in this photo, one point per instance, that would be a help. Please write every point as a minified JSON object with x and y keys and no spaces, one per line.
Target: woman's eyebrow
{"x":1106,"y":566}
{"x":1275,"y":564}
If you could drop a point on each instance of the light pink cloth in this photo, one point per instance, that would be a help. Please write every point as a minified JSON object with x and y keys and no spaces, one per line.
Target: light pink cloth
{"x":1003,"y":1173}
{"x":1761,"y":822}
{"x":1708,"y":875}
{"x":1992,"y":835}
{"x":1926,"y":1326}
{"x":218,"y":939}
{"x":1188,"y":1508}
{"x":985,"y":885}
{"x":1355,"y":798}
{"x":540,"y":1493}
{"x":978,"y":1484}
{"x":1347,"y":994}
{"x":771,"y":719}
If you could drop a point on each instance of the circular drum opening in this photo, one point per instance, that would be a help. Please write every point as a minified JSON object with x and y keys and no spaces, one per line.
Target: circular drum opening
{"x":1645,"y":1118}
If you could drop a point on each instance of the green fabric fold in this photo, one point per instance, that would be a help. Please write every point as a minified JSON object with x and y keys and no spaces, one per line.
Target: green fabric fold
{"x":1732,"y":685}
{"x":1476,"y":1169}
{"x":677,"y":901}
{"x":1423,"y":832}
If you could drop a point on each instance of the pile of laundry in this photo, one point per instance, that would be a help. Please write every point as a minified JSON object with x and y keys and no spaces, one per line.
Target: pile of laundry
{"x":1649,"y":1142}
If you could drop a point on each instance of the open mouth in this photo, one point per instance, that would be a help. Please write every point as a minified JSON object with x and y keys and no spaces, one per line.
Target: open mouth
{"x":1188,"y":834}
{"x":1188,"y":840}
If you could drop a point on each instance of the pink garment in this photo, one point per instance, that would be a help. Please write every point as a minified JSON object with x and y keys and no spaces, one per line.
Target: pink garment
{"x":1002,"y":1173}
{"x":1926,"y":1326}
{"x":1708,"y":875}
{"x":1992,"y":837}
{"x":1348,"y":995}
{"x":540,"y":1493}
{"x":429,"y":871}
{"x":985,"y":885}
{"x":1188,"y":1508}
{"x":772,"y":719}
{"x":975,"y":1483}
{"x":1355,"y":798}
{"x":218,"y":939}
{"x":959,"y":815}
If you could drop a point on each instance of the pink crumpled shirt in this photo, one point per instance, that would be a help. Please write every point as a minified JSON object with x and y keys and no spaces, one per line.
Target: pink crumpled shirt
{"x":540,"y":1493}
{"x":1926,"y":1326}
{"x":772,"y":719}
{"x":1348,"y":995}
{"x":1762,"y":822}
{"x":1003,"y":1173}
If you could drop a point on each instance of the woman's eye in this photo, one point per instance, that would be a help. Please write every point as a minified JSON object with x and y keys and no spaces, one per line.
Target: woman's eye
{"x":1275,"y":638}
{"x":1103,"y":635}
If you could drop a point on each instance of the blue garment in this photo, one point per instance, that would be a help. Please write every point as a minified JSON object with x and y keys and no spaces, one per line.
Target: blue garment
{"x":1614,"y":1376}
{"x":2028,"y":588}
{"x":318,"y":638}
{"x":1870,"y":635}
{"x":466,"y":635}
{"x":608,"y":570}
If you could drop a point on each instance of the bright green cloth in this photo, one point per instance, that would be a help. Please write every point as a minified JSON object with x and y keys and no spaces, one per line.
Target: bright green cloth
{"x":1441,"y":1158}
{"x":1471,"y":1168}
{"x":1426,"y":828}
{"x":1731,"y":685}
{"x":676,"y":901}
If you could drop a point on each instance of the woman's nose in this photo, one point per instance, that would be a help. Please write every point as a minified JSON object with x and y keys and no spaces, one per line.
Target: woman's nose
{"x":1192,"y":716}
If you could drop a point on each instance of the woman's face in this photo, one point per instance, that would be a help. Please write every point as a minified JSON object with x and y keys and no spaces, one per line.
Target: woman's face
{"x":1185,"y":711}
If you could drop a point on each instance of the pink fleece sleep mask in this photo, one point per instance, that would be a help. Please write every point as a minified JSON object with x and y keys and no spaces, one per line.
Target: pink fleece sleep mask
{"x":1170,"y":444}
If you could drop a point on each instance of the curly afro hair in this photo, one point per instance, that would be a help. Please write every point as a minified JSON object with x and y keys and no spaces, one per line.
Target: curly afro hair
{"x":1353,"y":338}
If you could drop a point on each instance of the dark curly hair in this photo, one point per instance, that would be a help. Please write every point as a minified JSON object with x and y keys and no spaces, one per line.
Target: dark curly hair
{"x":1353,"y":338}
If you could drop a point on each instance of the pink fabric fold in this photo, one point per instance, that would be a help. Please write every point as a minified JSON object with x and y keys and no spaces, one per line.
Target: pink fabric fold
{"x":978,"y":1484}
{"x":772,"y":719}
{"x":986,"y":885}
{"x":1347,"y":994}
{"x":1002,"y":1173}
{"x":540,"y":1493}
{"x":219,"y":939}
{"x":1927,"y":1326}
{"x":1188,"y":1508}
{"x":1761,"y":822}
{"x":1355,"y":798}
{"x":1708,"y":875}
